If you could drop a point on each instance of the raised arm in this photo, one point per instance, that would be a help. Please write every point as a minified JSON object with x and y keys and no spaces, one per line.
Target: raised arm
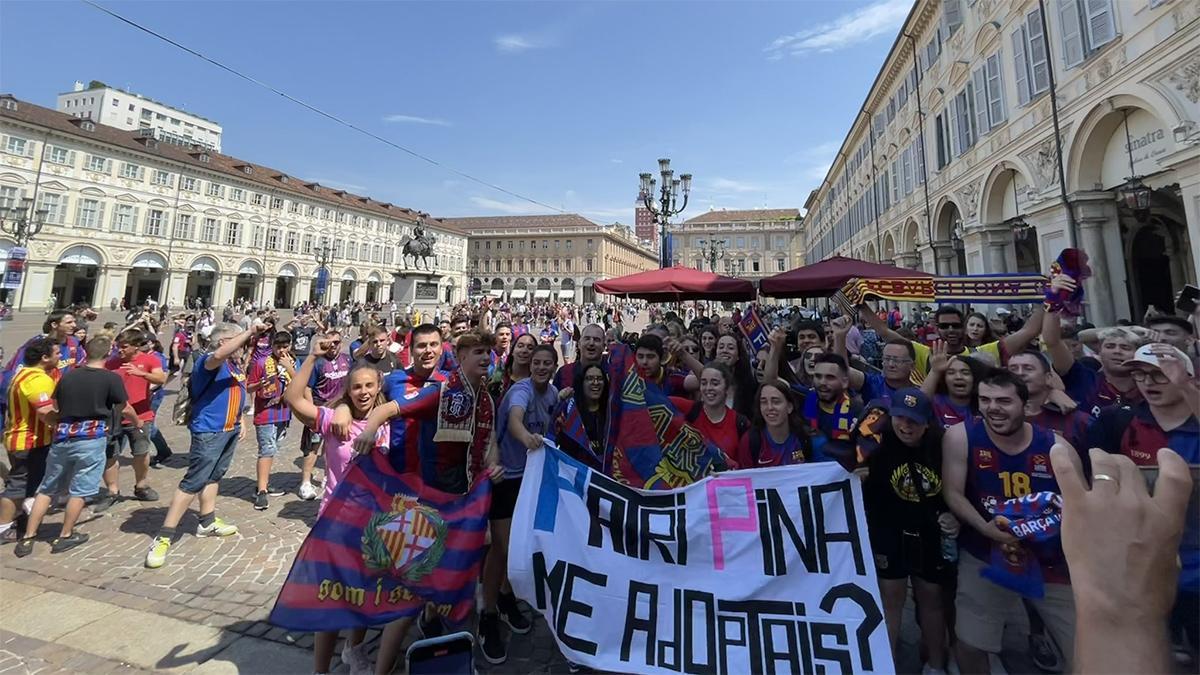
{"x":232,"y":345}
{"x":777,"y":340}
{"x":295,"y":393}
{"x":1060,"y":355}
{"x":872,"y":319}
{"x":1020,"y":339}
{"x":939,"y":362}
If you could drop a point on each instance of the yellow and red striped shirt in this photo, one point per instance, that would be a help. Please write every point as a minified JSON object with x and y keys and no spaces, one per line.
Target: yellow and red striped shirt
{"x":31,"y":390}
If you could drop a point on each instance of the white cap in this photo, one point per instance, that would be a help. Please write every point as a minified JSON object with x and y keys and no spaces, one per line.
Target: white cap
{"x":1146,"y":354}
{"x":1003,"y":311}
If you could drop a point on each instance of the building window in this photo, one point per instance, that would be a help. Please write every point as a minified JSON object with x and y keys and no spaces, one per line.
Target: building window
{"x":388,"y":255}
{"x":163,"y":178}
{"x":1087,"y":25}
{"x":521,"y":265}
{"x":98,"y":164}
{"x":522,"y":245}
{"x":556,"y":265}
{"x":59,"y":155}
{"x":376,"y":254}
{"x":754,"y":265}
{"x":233,"y":233}
{"x":307,"y":247}
{"x":291,"y":243}
{"x":310,"y":211}
{"x":294,"y":207}
{"x":257,"y":199}
{"x":16,"y":146}
{"x":556,"y":243}
{"x":259,"y":232}
{"x":56,"y":206}
{"x":90,"y":214}
{"x":273,"y":239}
{"x":567,"y":262}
{"x":237,"y":194}
{"x":124,"y":218}
{"x":277,"y":202}
{"x":780,"y":265}
{"x":942,"y":127}
{"x":188,"y":184}
{"x":741,"y":242}
{"x":588,"y":262}
{"x":487,"y":246}
{"x":477,"y":242}
{"x":155,"y":221}
{"x":9,"y":196}
{"x":352,"y":250}
{"x":183,"y":226}
{"x":544,"y":264}
{"x":1029,"y":56}
{"x":951,"y":17}
{"x":131,"y":171}
{"x":215,"y":190}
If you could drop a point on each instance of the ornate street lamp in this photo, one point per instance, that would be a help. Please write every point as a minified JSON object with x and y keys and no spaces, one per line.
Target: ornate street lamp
{"x":667,"y":201}
{"x":22,"y":223}
{"x":1134,"y":193}
{"x":323,"y":255}
{"x":713,"y":251}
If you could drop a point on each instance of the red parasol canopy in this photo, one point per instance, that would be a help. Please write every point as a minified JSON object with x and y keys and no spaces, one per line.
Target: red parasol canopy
{"x":828,"y":276}
{"x":677,"y":283}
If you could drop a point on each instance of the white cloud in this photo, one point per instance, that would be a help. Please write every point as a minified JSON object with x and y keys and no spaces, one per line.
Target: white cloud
{"x":515,"y":43}
{"x":605,"y":215}
{"x":412,"y":119}
{"x":729,"y":185}
{"x":878,"y":18}
{"x":514,"y":208}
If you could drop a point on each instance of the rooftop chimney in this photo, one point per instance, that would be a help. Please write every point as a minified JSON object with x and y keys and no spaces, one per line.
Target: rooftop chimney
{"x":78,"y":86}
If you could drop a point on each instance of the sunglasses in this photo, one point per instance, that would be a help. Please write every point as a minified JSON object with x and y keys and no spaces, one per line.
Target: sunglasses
{"x":949,"y":326}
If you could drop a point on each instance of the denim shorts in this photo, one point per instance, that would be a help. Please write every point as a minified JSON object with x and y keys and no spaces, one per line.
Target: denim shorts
{"x":208,"y":458}
{"x":268,"y":436}
{"x":77,"y":462}
{"x":132,"y":437}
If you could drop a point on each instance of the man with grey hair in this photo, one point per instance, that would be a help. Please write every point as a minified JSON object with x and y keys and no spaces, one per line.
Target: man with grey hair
{"x":591,"y":350}
{"x":218,"y":392}
{"x":1094,"y":391}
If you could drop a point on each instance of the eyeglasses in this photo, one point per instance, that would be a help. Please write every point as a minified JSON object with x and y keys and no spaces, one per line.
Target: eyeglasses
{"x":1155,"y":376}
{"x":895,"y":359}
{"x":949,"y":326}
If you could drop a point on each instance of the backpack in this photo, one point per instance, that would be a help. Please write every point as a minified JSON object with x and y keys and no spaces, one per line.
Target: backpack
{"x":183,"y":410}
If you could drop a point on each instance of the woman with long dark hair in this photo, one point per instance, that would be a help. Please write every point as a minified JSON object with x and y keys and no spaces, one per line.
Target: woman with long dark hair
{"x":708,"y":342}
{"x":589,"y":397}
{"x":777,"y":436}
{"x":952,"y":385}
{"x":979,"y":330}
{"x":731,"y":353}
{"x":711,"y":415}
{"x":516,"y":366}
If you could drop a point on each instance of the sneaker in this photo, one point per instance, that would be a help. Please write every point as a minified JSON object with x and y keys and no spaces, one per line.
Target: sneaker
{"x":355,"y":656}
{"x":260,"y":500}
{"x":218,"y":528}
{"x":105,"y":502}
{"x":1045,"y":654}
{"x":430,"y":628}
{"x":307,"y":491}
{"x":68,"y":542}
{"x":274,"y":491}
{"x":145,"y":494}
{"x":24,"y":547}
{"x":157,"y":555}
{"x":10,"y":536}
{"x":510,"y":612}
{"x":490,"y":642}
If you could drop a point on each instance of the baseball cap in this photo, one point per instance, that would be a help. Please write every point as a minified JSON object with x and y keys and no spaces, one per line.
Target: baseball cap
{"x":913,"y":404}
{"x":1003,"y":311}
{"x":1145,"y":354}
{"x":1177,"y":321}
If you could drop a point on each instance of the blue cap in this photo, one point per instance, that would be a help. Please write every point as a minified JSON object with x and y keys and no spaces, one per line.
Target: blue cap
{"x":913,"y":404}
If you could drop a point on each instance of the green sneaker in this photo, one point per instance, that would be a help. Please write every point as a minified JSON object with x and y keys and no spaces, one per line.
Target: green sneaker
{"x":219,"y":528}
{"x":157,"y":555}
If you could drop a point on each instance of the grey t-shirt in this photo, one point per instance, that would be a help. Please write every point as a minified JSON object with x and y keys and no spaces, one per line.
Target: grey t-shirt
{"x":539,"y":406}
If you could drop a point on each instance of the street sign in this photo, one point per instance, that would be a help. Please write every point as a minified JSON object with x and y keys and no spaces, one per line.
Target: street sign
{"x":14,"y":268}
{"x":322,"y":281}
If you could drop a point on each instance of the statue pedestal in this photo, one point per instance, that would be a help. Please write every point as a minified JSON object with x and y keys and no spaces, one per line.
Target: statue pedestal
{"x":417,"y":287}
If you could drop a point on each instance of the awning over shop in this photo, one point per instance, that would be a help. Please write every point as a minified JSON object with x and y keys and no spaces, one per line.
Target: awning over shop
{"x":541,"y":293}
{"x":495,"y":292}
{"x":517,"y":294}
{"x":566,"y":295}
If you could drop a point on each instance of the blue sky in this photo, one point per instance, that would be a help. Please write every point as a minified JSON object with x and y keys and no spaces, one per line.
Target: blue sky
{"x":562,"y":102}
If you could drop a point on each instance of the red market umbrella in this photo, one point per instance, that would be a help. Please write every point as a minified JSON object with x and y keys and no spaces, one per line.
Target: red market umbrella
{"x":828,"y":276}
{"x":677,"y":283}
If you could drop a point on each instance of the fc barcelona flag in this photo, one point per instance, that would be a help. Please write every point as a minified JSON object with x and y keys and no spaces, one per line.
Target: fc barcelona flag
{"x":650,"y":445}
{"x":384,"y":546}
{"x":754,"y":331}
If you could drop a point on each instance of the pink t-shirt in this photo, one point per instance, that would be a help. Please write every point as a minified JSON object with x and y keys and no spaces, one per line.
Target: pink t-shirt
{"x":338,"y":453}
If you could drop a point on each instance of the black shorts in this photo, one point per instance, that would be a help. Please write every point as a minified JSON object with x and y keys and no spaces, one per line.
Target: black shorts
{"x":902,"y":557}
{"x":25,"y":473}
{"x":310,"y":441}
{"x":504,"y":498}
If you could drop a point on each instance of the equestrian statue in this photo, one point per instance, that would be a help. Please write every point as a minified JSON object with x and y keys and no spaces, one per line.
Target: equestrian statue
{"x":419,"y":247}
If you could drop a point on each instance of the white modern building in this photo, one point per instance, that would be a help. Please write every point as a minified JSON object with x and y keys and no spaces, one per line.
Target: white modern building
{"x":125,"y":110}
{"x":129,"y":217}
{"x":960,"y":161}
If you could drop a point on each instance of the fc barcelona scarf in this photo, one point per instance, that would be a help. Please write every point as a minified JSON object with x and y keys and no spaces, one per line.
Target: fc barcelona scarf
{"x":1033,"y":519}
{"x":1072,"y":262}
{"x":971,"y":288}
{"x":754,"y":332}
{"x":843,"y":418}
{"x":385,"y":545}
